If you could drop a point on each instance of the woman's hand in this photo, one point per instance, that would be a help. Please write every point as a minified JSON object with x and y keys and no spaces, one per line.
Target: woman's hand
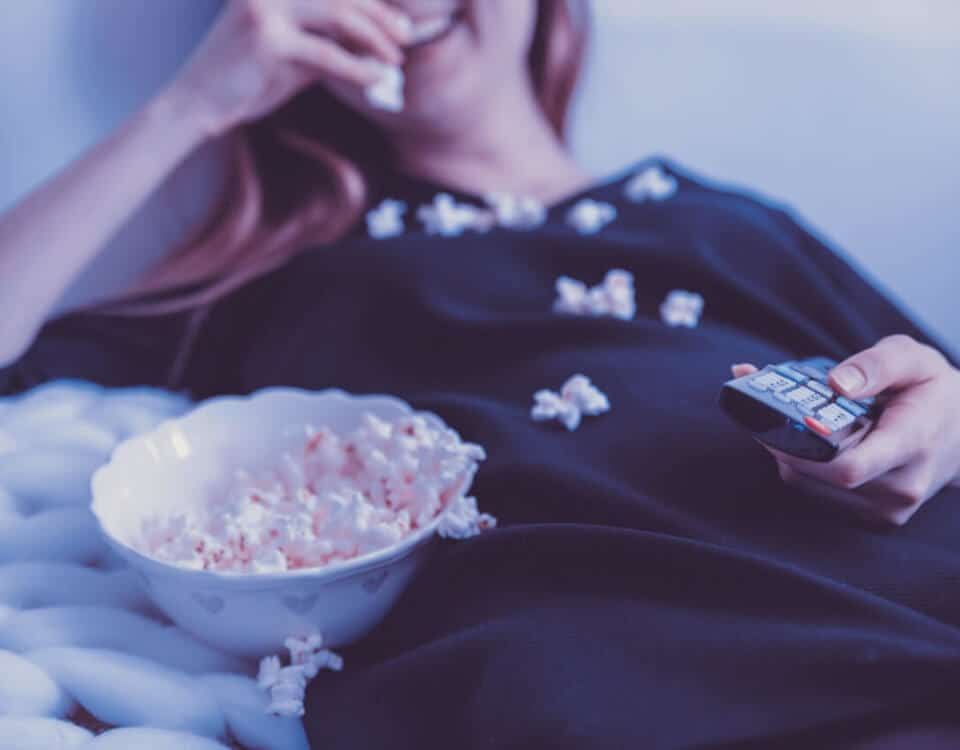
{"x":912,"y":452}
{"x":261,"y":53}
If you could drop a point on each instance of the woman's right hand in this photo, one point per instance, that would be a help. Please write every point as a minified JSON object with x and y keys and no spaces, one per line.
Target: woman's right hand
{"x":261,"y":53}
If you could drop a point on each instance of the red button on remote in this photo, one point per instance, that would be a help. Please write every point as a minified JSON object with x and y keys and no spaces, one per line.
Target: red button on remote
{"x":818,"y":427}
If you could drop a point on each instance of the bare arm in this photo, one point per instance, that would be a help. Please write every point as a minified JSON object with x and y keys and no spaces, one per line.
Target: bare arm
{"x":51,"y":236}
{"x":258,"y":56}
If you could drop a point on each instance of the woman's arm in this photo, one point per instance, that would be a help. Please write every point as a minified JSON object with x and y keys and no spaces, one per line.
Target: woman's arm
{"x":257,"y":57}
{"x":50,"y":237}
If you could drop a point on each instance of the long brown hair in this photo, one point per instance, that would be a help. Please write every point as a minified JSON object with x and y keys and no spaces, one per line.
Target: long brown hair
{"x":302,"y":177}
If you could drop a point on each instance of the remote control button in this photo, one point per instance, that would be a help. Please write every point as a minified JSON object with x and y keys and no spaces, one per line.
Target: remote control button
{"x":852,"y":406}
{"x":812,"y":372}
{"x":791,"y":373}
{"x":823,"y":390}
{"x":817,"y":427}
{"x":771,"y":381}
{"x":803,"y":398}
{"x":835,"y":417}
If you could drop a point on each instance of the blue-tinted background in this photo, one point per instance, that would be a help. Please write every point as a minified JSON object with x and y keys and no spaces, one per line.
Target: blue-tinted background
{"x":848,"y":111}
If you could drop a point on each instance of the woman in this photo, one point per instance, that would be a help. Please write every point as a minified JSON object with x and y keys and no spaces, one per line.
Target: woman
{"x":655,"y":583}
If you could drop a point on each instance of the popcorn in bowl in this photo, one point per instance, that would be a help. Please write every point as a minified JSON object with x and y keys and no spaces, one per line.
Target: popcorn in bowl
{"x":321,"y":534}
{"x":344,"y":495}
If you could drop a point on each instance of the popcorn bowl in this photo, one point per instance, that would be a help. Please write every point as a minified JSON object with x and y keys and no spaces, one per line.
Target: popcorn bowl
{"x":184,"y":460}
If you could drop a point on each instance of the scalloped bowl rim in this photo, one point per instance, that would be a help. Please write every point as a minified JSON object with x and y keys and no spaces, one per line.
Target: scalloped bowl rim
{"x":364,"y":563}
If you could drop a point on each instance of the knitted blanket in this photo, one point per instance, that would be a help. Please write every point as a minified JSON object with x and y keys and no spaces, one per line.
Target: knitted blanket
{"x":87,"y":660}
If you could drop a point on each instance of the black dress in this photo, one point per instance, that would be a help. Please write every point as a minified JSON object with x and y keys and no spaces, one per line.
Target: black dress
{"x":653,"y":584}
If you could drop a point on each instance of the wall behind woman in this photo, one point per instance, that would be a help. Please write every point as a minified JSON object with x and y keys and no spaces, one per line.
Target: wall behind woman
{"x":848,"y":111}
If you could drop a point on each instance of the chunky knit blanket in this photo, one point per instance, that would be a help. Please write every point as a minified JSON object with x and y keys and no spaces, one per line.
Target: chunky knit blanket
{"x":87,"y":661}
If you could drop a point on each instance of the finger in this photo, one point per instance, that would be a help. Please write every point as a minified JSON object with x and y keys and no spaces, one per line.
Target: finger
{"x":895,"y":362}
{"x":392,"y":20}
{"x":882,"y":450}
{"x":365,"y":35}
{"x":815,"y":488}
{"x":899,"y":494}
{"x":741,"y":370}
{"x":907,"y":487}
{"x":326,"y":56}
{"x":873,"y":504}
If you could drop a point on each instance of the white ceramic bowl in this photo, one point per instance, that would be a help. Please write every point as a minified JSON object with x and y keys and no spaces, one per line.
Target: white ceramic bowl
{"x":185,"y":459}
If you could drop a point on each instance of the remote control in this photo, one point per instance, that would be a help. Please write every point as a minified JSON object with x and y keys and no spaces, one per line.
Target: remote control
{"x":791,"y":407}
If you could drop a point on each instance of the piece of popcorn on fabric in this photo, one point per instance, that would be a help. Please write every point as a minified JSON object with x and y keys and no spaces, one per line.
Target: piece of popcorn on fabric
{"x":652,"y":184}
{"x":589,"y":399}
{"x":301,"y":649}
{"x":590,"y":216}
{"x":621,"y":295}
{"x":615,"y":297}
{"x":549,"y":405}
{"x":287,"y":685}
{"x":682,"y":308}
{"x":387,"y":92}
{"x":514,"y":212}
{"x":571,"y":296}
{"x":447,"y":218}
{"x":386,"y":220}
{"x":287,"y":693}
{"x":577,"y":398}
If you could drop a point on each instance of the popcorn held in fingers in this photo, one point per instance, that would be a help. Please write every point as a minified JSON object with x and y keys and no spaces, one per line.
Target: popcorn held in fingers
{"x":652,"y":184}
{"x":448,"y":218}
{"x":514,"y":212}
{"x":615,"y":297}
{"x":462,"y":520}
{"x":386,"y":220}
{"x":347,"y":495}
{"x":590,"y":216}
{"x":577,"y":398}
{"x":682,"y":308}
{"x":387,"y":93}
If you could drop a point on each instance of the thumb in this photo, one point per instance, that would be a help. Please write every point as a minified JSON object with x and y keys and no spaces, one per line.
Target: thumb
{"x":895,"y":362}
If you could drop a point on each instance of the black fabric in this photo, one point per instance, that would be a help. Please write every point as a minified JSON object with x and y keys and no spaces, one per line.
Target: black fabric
{"x":106,"y":349}
{"x":653,"y":583}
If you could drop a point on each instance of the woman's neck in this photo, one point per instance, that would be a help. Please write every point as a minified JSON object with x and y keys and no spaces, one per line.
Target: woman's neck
{"x":513,"y":150}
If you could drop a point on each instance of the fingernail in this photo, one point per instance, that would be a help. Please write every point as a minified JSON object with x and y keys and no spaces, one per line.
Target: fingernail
{"x":849,"y":378}
{"x":405,"y":26}
{"x":376,"y":67}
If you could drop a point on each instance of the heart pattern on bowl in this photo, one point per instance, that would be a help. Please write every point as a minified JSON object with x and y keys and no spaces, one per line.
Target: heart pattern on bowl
{"x":300,"y":605}
{"x":372,"y":585}
{"x":210,"y":602}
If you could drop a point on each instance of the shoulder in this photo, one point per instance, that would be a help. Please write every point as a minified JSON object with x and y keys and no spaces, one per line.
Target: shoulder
{"x":696,"y":202}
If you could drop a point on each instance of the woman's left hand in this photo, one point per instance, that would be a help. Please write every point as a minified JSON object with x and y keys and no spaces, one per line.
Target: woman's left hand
{"x":912,"y":452}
